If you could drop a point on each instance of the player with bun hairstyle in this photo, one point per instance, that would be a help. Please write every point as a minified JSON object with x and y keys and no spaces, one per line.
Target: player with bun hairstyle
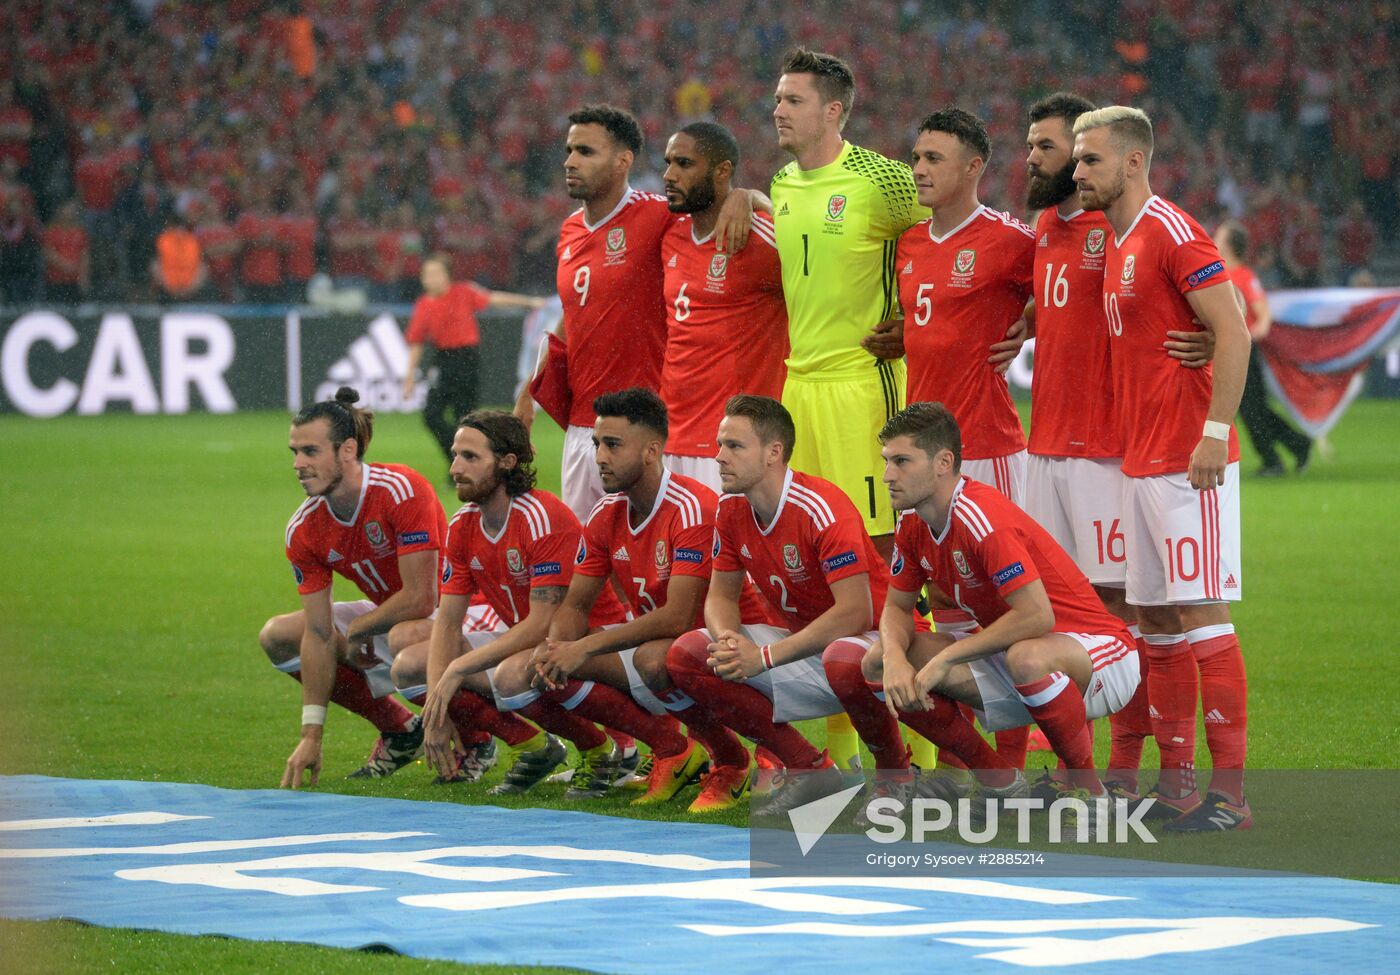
{"x":380,"y":526}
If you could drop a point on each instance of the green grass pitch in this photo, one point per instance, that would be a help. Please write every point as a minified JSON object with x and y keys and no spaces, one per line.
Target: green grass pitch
{"x":145,"y":552}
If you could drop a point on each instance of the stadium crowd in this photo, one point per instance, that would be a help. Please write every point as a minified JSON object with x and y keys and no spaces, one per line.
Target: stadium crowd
{"x":231,"y":150}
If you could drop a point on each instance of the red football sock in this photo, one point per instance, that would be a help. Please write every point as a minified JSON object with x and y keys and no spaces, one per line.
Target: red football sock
{"x":1056,"y":704}
{"x":550,"y":716}
{"x":872,"y":719}
{"x":944,"y":725}
{"x":1130,"y":727}
{"x":616,"y":709}
{"x":738,"y":706}
{"x":1171,"y":692}
{"x":1011,"y":745}
{"x":470,"y":710}
{"x":724,"y":746}
{"x":352,"y":692}
{"x":621,"y":739}
{"x":1224,"y":699}
{"x":467,"y":731}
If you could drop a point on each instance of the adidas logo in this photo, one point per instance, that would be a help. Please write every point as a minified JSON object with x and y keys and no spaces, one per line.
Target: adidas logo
{"x":375,"y":364}
{"x":476,"y":564}
{"x":1213,"y":716}
{"x":334,"y":557}
{"x":908,"y":268}
{"x":783,"y":210}
{"x":1230,"y":582}
{"x":744,"y":552}
{"x":923,"y":564}
{"x":1044,"y":241}
{"x":621,"y":555}
{"x":672,"y":261}
{"x":1152,"y":712}
{"x":568,"y":253}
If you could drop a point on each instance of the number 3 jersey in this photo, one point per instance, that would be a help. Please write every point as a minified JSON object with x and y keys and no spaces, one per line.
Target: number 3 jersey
{"x":534,"y":549}
{"x":676,"y":538}
{"x":398,"y":513}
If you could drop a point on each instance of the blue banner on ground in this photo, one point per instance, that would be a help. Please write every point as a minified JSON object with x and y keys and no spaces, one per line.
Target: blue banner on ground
{"x":543,"y":887}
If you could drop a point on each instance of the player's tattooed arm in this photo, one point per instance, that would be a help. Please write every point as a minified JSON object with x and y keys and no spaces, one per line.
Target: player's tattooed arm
{"x":548,"y":595}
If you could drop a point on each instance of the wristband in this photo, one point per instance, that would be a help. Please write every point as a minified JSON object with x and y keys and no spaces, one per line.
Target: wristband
{"x":1216,"y":430}
{"x":313,"y":714}
{"x":766,"y":652}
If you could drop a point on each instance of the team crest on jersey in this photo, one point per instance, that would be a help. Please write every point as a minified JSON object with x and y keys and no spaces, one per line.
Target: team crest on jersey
{"x":719,"y":264}
{"x":660,"y":553}
{"x":791,"y":559}
{"x":836,"y":208}
{"x":375,"y":533}
{"x":960,"y":561}
{"x":965,"y":261}
{"x":617,"y":247}
{"x":1094,"y":241}
{"x":514,"y":562}
{"x":1129,"y":267}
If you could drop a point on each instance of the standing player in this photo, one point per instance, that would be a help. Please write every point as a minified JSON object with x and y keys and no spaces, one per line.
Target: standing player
{"x":804,"y":545}
{"x":610,"y":282}
{"x":1047,"y":651}
{"x":726,"y":320}
{"x":654,"y":535}
{"x":381,"y":527}
{"x":964,"y":280}
{"x":445,"y":318}
{"x":1266,"y":428}
{"x":1181,"y":497}
{"x":514,"y":545}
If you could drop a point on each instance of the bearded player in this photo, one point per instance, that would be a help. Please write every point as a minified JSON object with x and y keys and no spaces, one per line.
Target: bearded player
{"x":1181,"y":501}
{"x":381,"y":527}
{"x":726,"y":319}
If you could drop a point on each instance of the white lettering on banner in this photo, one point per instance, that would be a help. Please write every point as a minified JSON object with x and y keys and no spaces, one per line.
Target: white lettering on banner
{"x":28,"y":331}
{"x":181,"y":367}
{"x":120,"y":819}
{"x":117,"y":370}
{"x":1023,"y":948}
{"x":206,"y":846}
{"x":232,"y":876}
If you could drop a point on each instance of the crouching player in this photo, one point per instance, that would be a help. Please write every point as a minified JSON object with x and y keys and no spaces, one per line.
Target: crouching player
{"x":381,"y":527}
{"x":804,"y":545}
{"x":1047,"y":652}
{"x":653,"y":533}
{"x":513,"y":544}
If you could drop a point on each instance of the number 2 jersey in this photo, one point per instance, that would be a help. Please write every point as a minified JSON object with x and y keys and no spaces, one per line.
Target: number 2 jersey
{"x":675,"y":539}
{"x":398,"y":513}
{"x":609,"y":280}
{"x":534,"y":549}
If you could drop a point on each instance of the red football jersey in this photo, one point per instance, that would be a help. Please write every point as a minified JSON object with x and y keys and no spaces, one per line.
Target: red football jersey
{"x":960,"y":293}
{"x":816,"y":538}
{"x":1161,"y":406}
{"x":1072,"y":412}
{"x":675,"y":539}
{"x":726,"y":330}
{"x":534,"y":548}
{"x":398,"y":514}
{"x":610,"y":282}
{"x":449,"y":321}
{"x":988,"y":549}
